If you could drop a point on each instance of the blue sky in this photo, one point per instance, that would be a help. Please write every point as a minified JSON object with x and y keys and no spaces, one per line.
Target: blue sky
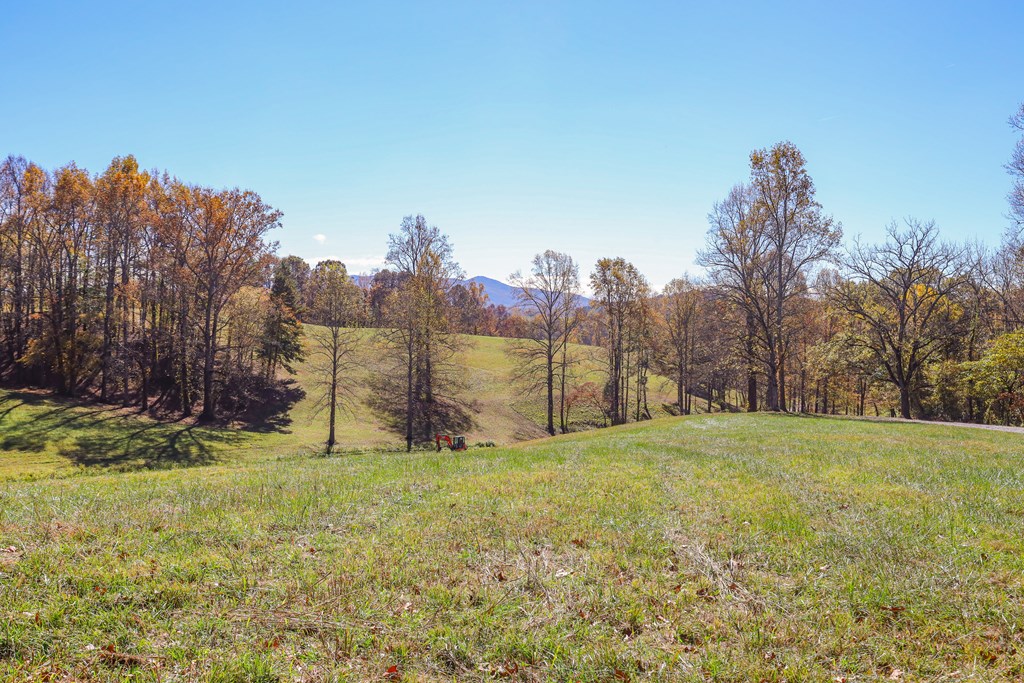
{"x":600,"y":129}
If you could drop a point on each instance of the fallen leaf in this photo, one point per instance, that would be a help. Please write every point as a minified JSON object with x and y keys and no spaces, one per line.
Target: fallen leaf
{"x":509,"y":669}
{"x":392,"y":673}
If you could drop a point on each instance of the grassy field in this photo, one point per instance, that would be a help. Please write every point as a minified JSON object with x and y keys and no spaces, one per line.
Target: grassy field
{"x":726,"y":548}
{"x":41,"y":435}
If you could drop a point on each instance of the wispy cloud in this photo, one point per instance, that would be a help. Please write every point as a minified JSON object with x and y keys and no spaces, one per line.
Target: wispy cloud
{"x":320,"y":237}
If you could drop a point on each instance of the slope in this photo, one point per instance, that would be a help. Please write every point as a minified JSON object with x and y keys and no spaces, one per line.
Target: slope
{"x":41,"y":434}
{"x":727,"y":547}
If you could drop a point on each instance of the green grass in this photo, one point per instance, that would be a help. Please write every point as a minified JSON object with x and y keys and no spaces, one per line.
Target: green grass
{"x":727,"y":548}
{"x":499,"y":409}
{"x":42,"y":435}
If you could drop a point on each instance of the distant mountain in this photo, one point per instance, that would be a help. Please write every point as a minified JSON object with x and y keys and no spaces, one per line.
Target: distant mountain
{"x":503,"y":294}
{"x":498,"y":293}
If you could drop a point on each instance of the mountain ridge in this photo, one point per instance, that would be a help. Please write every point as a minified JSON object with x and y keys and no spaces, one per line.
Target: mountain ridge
{"x":498,"y":293}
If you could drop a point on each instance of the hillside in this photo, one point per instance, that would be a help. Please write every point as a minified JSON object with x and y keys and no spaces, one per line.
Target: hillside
{"x":498,"y":407}
{"x":727,"y":547}
{"x":40,"y":434}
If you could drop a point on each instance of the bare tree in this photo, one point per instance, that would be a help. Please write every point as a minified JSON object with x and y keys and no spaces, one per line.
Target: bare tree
{"x":900,"y":295}
{"x":418,"y":340}
{"x":549,"y":297}
{"x":736,"y":247}
{"x":335,"y":304}
{"x":1016,"y":169}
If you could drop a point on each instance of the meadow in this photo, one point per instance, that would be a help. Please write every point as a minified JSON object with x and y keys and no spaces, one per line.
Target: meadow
{"x":44,"y":435}
{"x":727,"y":547}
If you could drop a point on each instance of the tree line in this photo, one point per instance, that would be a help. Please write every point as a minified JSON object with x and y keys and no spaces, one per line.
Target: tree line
{"x":137,"y":288}
{"x":124,"y":286}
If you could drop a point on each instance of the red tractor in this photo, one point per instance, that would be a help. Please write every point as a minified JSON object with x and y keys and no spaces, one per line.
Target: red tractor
{"x":455,"y":443}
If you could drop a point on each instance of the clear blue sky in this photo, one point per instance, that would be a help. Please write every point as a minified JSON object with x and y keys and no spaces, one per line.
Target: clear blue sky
{"x":600,"y":129}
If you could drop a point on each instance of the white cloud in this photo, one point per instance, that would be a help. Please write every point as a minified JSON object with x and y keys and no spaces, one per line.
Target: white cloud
{"x":320,"y":237}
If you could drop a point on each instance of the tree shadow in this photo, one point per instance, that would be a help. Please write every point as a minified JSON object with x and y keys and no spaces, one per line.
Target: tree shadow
{"x":154,"y":446}
{"x":105,"y":436}
{"x":257,"y":405}
{"x":48,"y":425}
{"x":447,"y":417}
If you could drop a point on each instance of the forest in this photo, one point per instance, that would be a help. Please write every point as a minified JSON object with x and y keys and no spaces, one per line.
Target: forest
{"x":135,"y":288}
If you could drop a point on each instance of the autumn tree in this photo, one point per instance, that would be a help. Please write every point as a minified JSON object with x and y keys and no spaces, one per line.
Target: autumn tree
{"x":683,"y":313}
{"x":64,"y":239}
{"x":900,"y":295}
{"x":548,"y":296}
{"x":622,"y":295}
{"x":468,"y":304}
{"x":798,"y":235}
{"x":764,"y":242}
{"x":420,"y":383}
{"x":121,"y":208}
{"x":227,"y":229}
{"x":104,"y":282}
{"x":20,"y":183}
{"x":997,"y":377}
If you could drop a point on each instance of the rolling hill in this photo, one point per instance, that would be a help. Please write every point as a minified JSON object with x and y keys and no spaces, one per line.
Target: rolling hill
{"x":41,"y":434}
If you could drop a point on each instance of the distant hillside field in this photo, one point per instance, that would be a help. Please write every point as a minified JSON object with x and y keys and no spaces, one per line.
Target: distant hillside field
{"x":41,"y":434}
{"x":707,"y":548}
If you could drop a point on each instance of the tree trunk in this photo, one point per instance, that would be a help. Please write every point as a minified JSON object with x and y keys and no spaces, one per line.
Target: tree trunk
{"x":409,"y":395}
{"x":904,"y":401}
{"x":550,"y":379}
{"x":334,"y":389}
{"x":209,"y":357}
{"x":108,"y":318}
{"x":782,"y":383}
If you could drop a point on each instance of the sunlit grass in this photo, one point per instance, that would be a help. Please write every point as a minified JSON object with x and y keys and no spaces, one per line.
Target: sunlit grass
{"x":731,"y":547}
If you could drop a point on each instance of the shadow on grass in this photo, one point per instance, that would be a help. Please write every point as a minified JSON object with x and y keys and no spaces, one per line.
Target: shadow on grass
{"x":154,"y":446}
{"x":272,"y":412}
{"x":106,"y":436}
